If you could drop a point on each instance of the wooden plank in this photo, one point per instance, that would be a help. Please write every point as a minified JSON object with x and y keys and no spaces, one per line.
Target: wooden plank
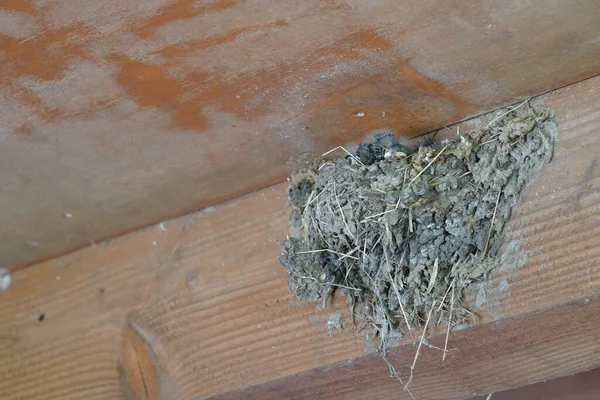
{"x":212,"y":292}
{"x":199,"y":307}
{"x":122,"y":113}
{"x":486,"y":358}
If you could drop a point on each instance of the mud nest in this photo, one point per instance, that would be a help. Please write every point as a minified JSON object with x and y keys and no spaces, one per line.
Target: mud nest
{"x":397,"y":229}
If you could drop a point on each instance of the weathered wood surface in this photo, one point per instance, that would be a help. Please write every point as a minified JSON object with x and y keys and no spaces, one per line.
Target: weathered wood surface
{"x":122,"y":113}
{"x":511,"y":353}
{"x":199,"y":307}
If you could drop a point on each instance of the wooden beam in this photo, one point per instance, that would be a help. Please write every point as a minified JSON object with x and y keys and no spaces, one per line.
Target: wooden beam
{"x":513,"y":352}
{"x":198,"y":307}
{"x":117,"y":117}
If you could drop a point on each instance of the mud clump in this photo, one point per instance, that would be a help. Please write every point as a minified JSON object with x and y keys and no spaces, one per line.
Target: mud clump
{"x":396,"y":229}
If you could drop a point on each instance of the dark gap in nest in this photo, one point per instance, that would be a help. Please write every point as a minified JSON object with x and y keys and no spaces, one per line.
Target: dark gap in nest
{"x":395,"y":229}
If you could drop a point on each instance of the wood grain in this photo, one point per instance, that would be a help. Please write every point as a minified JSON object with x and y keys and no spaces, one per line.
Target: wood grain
{"x":201,"y":305}
{"x":487,"y":358}
{"x":124,"y":113}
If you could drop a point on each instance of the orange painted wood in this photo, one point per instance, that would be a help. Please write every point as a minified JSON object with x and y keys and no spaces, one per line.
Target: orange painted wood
{"x":117,"y":114}
{"x":198,"y":307}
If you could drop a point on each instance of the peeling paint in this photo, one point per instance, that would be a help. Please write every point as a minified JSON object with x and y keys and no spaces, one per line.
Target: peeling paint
{"x":168,"y":99}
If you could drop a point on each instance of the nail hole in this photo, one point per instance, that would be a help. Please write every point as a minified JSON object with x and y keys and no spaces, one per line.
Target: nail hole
{"x":191,"y":277}
{"x":41,"y":317}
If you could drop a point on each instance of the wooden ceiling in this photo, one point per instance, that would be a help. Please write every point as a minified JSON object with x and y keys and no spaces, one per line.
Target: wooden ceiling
{"x":200,"y":308}
{"x":116,"y":114}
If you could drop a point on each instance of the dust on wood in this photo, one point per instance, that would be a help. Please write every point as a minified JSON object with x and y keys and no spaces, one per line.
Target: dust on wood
{"x":399,"y":229}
